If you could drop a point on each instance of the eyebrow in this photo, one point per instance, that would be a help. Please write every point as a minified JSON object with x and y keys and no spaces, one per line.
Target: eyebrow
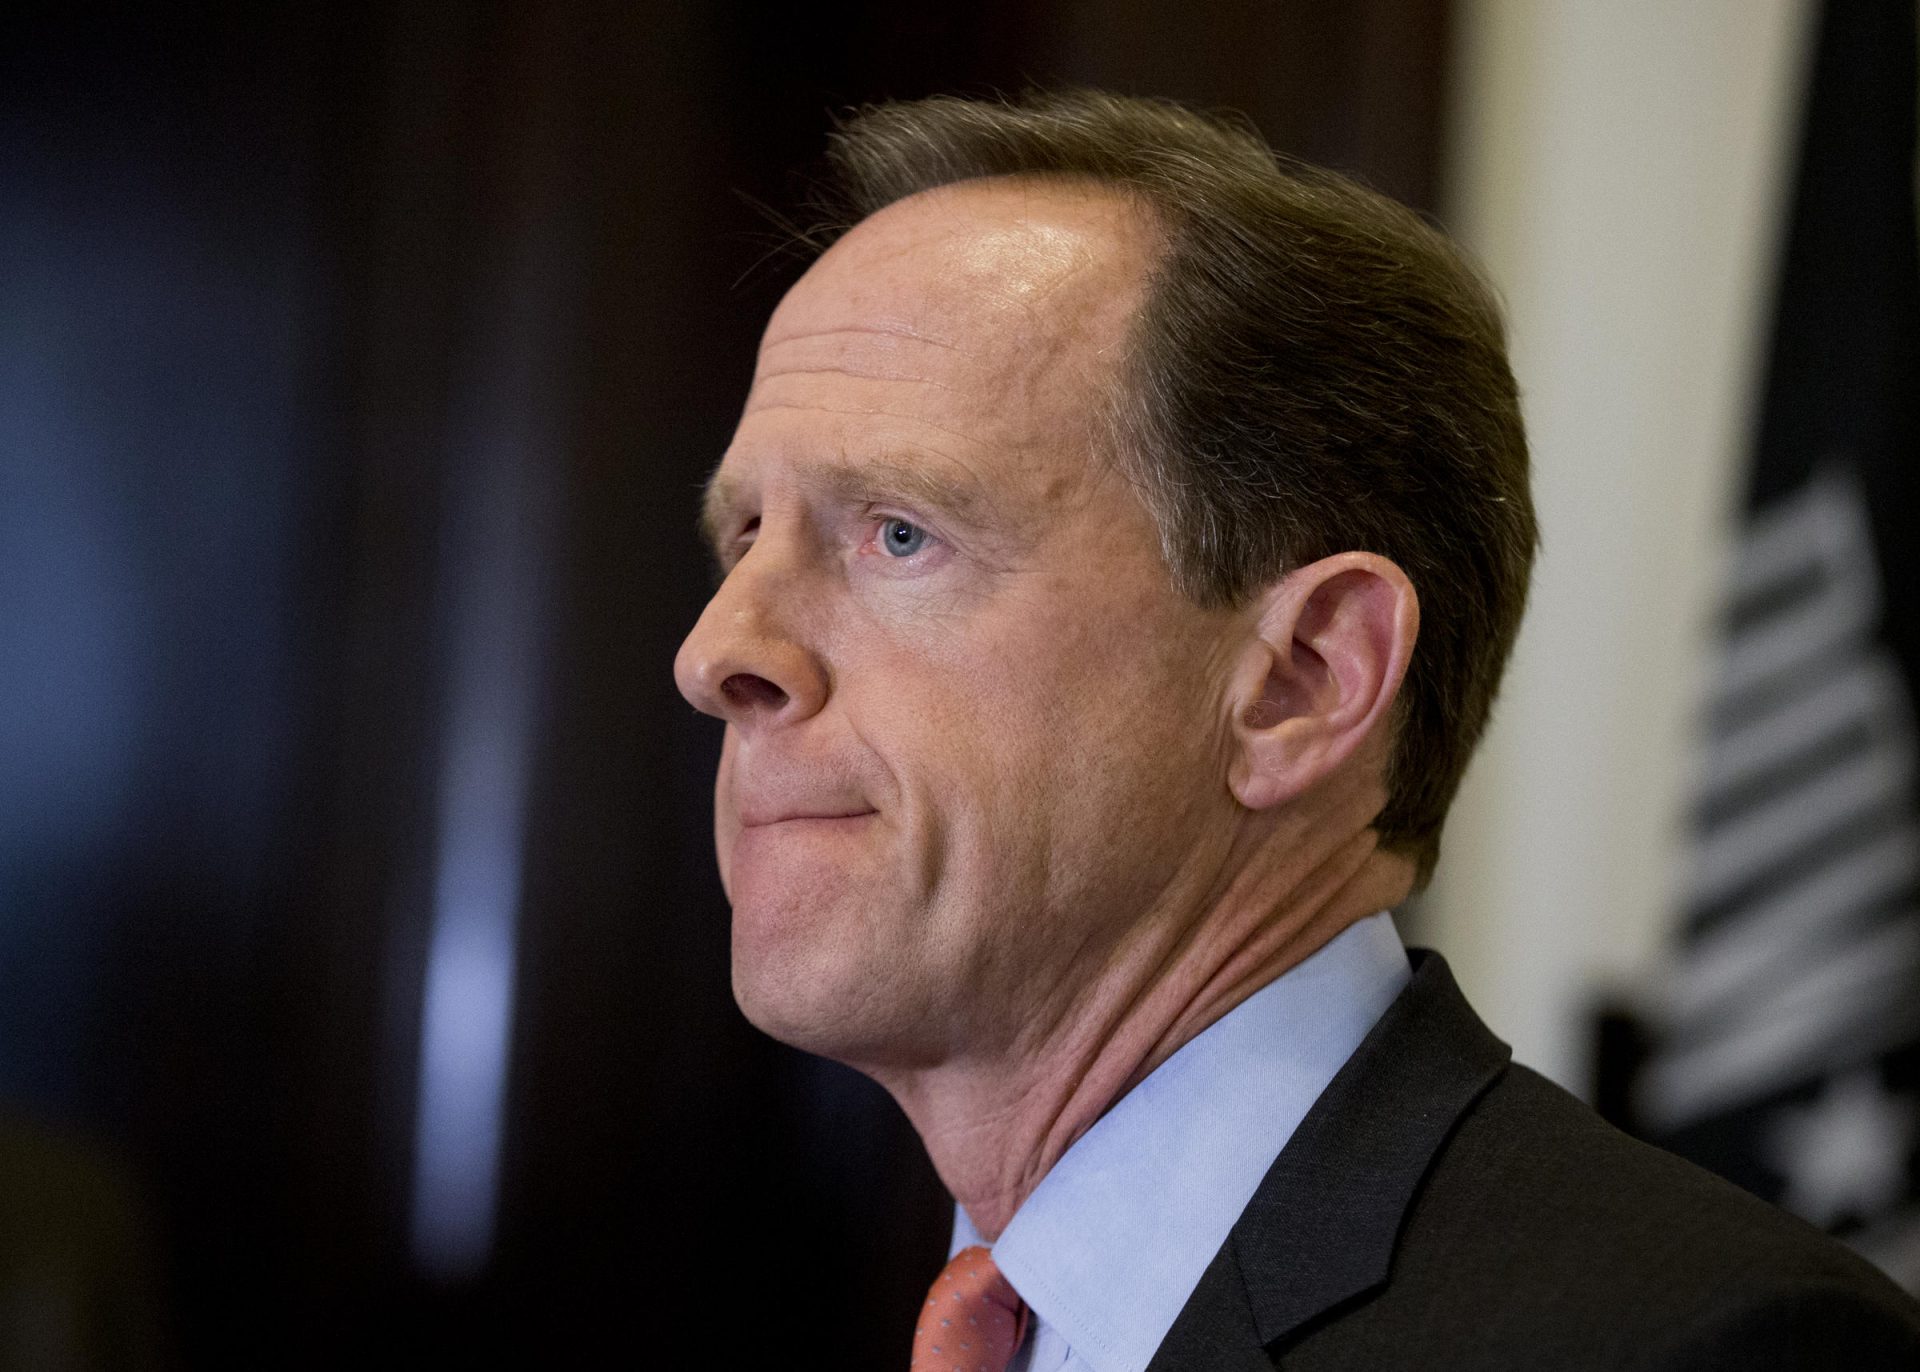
{"x":876,"y":480}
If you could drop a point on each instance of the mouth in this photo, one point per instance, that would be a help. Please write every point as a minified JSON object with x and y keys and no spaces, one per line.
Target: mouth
{"x":822,"y":818}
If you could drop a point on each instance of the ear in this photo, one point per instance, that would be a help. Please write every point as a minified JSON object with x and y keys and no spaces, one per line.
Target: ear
{"x":1330,"y":645}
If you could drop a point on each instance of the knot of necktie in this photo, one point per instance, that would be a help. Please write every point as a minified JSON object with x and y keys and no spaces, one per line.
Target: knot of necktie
{"x":973,"y":1319}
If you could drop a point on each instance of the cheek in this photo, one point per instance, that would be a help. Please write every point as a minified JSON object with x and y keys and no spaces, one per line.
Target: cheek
{"x":1117,"y":709}
{"x":1031,"y":726}
{"x":999,"y":736}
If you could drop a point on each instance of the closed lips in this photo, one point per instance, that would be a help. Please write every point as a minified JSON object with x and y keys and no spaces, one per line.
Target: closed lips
{"x":761,"y":821}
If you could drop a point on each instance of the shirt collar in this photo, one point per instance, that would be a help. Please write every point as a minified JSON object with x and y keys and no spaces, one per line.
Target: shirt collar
{"x":1111,"y":1243}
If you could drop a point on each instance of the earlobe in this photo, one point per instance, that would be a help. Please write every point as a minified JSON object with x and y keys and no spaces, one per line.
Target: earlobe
{"x":1330,"y":644}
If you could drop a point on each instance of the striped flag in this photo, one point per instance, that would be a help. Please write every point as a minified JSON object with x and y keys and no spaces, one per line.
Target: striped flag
{"x":1787,"y":1053}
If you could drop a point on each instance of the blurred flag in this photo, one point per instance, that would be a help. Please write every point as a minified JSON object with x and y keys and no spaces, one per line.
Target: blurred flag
{"x":1788,"y":1057}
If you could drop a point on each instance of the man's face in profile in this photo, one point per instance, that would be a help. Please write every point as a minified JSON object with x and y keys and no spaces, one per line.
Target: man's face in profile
{"x":972,"y":727}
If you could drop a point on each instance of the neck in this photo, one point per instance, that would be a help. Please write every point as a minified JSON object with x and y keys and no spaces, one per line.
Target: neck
{"x":995,"y":1124}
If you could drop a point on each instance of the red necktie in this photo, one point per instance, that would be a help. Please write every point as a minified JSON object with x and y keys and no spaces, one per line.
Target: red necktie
{"x":973,"y":1319}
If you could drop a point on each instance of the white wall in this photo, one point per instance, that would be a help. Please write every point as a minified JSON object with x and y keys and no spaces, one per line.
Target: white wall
{"x":1618,"y":166}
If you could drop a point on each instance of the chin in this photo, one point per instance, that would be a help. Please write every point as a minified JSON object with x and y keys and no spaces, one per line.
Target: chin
{"x":794,"y":1011}
{"x":837,"y":1003}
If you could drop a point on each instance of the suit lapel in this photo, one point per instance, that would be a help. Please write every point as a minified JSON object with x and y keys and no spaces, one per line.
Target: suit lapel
{"x":1320,"y":1231}
{"x":1217,"y":1330}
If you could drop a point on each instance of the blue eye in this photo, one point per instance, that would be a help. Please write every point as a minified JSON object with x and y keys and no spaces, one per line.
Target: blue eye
{"x":902,"y":539}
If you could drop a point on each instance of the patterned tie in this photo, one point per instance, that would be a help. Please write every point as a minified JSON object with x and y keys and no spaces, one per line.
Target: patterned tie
{"x":973,"y":1319}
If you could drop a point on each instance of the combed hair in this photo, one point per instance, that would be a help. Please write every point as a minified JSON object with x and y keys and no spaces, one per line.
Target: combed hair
{"x":1315,"y":370}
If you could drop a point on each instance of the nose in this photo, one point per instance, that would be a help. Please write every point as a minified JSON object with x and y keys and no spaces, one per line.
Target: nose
{"x":745,"y":661}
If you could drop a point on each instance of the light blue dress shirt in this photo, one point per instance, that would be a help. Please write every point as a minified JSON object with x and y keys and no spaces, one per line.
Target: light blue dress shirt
{"x":1109,"y":1246}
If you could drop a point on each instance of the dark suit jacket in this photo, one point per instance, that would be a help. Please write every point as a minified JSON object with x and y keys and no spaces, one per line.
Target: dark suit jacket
{"x":1441,"y":1208}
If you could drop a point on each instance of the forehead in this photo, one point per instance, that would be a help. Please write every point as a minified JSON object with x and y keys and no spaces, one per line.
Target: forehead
{"x":978,"y":324}
{"x":1031,"y":267}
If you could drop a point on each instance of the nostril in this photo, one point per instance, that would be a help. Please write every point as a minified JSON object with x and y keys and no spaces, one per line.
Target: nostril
{"x":745,"y":691}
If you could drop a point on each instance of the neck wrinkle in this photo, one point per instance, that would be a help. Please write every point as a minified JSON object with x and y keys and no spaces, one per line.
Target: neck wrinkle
{"x":995,"y":1130}
{"x":1353,"y":882}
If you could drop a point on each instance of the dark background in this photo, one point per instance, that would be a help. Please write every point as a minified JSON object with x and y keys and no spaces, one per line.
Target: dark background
{"x":346,"y":352}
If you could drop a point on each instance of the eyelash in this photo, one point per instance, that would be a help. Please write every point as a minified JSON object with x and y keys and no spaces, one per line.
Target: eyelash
{"x":730,"y":555}
{"x":874,"y":520}
{"x":878,"y":520}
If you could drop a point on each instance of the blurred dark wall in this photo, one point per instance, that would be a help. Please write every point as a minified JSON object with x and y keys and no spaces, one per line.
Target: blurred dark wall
{"x":359,"y":367}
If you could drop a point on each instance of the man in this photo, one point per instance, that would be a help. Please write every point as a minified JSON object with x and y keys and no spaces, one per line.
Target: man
{"x":1122,"y":541}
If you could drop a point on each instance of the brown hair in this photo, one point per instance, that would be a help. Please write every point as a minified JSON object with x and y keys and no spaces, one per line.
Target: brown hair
{"x":1315,"y":370}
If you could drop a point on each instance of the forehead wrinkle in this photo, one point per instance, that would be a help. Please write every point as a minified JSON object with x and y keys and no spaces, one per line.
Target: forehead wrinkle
{"x":899,"y":331}
{"x":849,"y":351}
{"x":852,"y":372}
{"x":874,"y":412}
